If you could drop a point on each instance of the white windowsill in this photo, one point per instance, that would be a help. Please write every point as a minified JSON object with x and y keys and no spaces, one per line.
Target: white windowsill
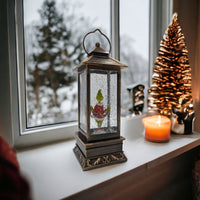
{"x":54,"y":172}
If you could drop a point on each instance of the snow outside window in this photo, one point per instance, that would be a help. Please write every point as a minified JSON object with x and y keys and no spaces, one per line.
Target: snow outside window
{"x":134,"y":45}
{"x":53,"y":33}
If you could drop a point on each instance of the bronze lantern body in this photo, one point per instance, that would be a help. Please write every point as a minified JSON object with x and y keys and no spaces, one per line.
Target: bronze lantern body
{"x":98,"y":140}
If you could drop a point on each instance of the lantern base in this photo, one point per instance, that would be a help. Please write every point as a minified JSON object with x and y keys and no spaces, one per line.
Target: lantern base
{"x":100,"y":161}
{"x":99,"y":154}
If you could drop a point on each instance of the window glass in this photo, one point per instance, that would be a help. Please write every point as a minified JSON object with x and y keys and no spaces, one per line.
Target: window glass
{"x":134,"y":45}
{"x":53,"y":33}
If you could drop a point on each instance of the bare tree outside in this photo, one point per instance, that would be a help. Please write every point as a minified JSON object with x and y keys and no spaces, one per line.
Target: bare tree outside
{"x":134,"y":45}
{"x":137,"y":71}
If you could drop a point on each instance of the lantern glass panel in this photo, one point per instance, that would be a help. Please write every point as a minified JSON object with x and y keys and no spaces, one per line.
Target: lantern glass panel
{"x":83,"y":101}
{"x":103,"y":102}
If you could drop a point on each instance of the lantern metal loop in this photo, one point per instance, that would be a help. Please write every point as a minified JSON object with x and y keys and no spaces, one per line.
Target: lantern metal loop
{"x":97,"y":43}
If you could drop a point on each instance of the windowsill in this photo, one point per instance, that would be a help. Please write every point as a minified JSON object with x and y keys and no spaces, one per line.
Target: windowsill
{"x":54,"y":172}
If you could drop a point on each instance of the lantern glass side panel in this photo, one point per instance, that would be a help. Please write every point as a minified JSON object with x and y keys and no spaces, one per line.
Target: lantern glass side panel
{"x":103,"y":102}
{"x":83,"y":101}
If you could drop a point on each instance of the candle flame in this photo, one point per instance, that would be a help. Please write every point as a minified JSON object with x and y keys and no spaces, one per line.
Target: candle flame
{"x":159,"y":120}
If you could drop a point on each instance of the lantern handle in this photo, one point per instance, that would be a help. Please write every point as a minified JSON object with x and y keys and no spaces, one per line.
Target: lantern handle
{"x":94,"y":32}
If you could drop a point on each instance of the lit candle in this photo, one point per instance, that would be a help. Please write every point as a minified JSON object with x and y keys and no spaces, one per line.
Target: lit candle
{"x":157,"y":128}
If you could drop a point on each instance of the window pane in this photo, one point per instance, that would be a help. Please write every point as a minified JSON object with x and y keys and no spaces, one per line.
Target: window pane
{"x":53,"y":33}
{"x":134,"y":45}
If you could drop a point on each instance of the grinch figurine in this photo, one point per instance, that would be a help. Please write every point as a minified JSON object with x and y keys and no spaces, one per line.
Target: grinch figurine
{"x":99,"y":112}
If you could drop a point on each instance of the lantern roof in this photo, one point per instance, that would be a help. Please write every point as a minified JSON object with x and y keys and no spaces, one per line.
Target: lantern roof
{"x":99,"y":56}
{"x":98,"y":51}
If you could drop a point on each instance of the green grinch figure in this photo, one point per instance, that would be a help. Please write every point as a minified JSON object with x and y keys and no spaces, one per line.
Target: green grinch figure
{"x":99,"y":112}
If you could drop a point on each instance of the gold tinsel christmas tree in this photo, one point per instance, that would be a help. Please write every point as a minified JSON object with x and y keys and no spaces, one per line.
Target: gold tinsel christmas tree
{"x":171,"y":80}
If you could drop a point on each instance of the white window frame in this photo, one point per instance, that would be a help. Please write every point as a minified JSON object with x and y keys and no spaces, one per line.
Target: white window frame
{"x":160,"y":15}
{"x":15,"y":130}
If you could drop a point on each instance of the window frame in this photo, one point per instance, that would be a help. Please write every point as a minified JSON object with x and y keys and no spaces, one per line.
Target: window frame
{"x":13,"y":14}
{"x":48,"y":133}
{"x":160,"y":14}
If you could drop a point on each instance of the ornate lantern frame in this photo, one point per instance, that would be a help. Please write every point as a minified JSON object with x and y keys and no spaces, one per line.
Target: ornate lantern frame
{"x":88,"y":68}
{"x":97,"y":150}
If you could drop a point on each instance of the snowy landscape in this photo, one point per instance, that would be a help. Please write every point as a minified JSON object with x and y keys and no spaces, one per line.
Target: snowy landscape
{"x":53,"y":47}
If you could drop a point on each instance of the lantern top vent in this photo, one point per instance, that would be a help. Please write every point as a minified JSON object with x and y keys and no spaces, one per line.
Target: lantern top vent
{"x":99,"y":56}
{"x":99,"y":51}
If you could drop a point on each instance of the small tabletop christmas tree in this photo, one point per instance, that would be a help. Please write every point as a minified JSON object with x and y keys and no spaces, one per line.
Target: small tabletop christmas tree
{"x":171,"y":80}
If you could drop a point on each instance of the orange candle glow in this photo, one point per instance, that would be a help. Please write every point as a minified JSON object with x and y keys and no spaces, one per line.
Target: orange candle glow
{"x":157,"y":128}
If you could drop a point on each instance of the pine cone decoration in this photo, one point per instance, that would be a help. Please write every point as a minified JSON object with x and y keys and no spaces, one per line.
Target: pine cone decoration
{"x":171,"y":80}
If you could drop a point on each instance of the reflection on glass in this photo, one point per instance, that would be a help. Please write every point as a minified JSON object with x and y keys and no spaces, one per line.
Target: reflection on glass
{"x":53,"y":32}
{"x":134,"y":46}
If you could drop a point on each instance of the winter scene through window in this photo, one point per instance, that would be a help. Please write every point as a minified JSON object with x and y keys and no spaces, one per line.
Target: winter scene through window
{"x":134,"y":47}
{"x":53,"y":35}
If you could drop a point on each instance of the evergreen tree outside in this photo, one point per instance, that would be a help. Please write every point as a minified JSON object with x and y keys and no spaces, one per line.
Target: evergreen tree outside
{"x":171,"y":78}
{"x":56,"y":55}
{"x":53,"y":46}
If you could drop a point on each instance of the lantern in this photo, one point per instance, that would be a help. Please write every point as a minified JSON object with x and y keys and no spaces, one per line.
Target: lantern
{"x":98,"y":140}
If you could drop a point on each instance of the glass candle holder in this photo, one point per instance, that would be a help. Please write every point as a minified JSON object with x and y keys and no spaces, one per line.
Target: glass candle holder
{"x":157,"y":128}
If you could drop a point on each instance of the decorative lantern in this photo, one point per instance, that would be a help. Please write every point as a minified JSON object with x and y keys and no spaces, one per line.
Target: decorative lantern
{"x":136,"y":93}
{"x":98,"y":140}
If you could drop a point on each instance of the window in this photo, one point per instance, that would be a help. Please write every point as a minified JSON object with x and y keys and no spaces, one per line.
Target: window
{"x":134,"y":45}
{"x":53,"y":50}
{"x":28,"y":30}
